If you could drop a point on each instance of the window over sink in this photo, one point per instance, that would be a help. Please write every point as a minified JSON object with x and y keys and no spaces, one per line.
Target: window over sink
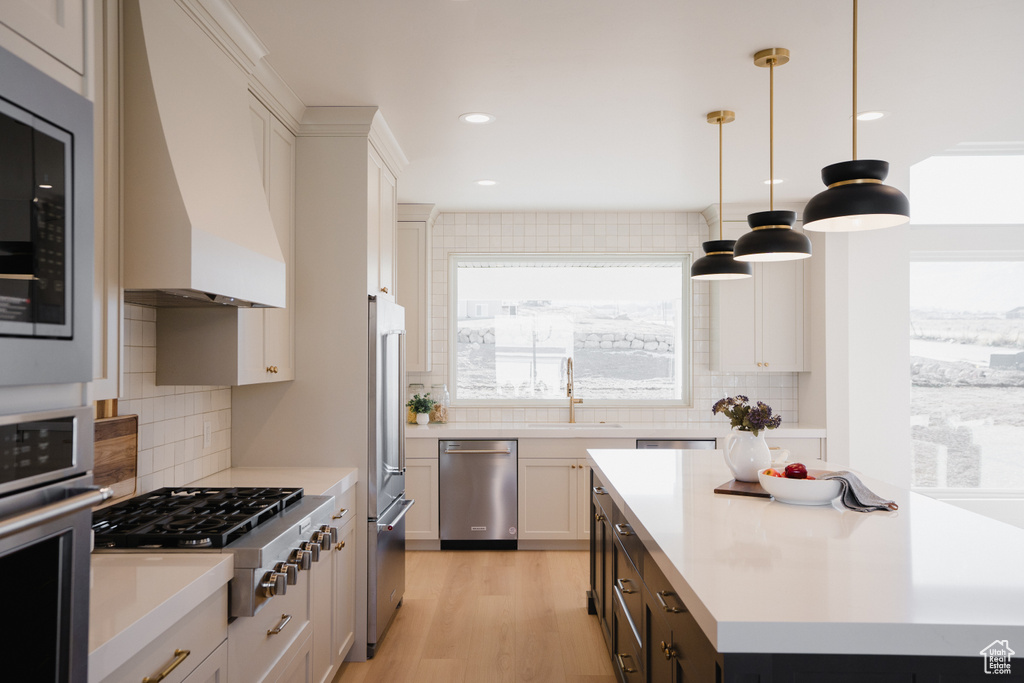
{"x":624,"y":320}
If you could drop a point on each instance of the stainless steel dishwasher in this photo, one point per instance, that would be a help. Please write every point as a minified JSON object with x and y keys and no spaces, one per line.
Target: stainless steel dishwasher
{"x":479,"y":494}
{"x":685,"y":444}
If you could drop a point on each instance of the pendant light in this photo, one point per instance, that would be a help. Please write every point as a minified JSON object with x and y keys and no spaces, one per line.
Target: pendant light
{"x":717,"y":262}
{"x":771,"y":236}
{"x":856,"y":199}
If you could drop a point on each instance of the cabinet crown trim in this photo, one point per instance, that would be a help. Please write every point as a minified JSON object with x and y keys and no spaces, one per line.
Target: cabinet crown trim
{"x":229,"y":31}
{"x":357,"y":122}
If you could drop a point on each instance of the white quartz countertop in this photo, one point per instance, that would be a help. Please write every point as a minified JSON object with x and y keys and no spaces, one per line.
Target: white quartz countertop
{"x":588,"y":430}
{"x":764,"y":576}
{"x":314,"y":481}
{"x":134,"y":597}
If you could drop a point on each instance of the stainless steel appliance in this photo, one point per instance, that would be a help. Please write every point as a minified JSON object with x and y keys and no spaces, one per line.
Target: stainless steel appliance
{"x":46,"y":234}
{"x":45,"y":501}
{"x":273,"y":533}
{"x":685,"y":444}
{"x":479,"y":494}
{"x":386,"y":504}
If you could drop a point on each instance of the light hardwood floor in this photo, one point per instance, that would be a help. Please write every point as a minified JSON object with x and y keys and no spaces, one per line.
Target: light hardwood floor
{"x":482,"y":616}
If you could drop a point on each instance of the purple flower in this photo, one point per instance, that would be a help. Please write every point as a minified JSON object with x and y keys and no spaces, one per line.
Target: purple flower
{"x":745,"y":417}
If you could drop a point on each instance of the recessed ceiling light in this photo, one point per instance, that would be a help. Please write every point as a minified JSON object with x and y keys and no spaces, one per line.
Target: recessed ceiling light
{"x":773,"y":182}
{"x":870,"y":115}
{"x":487,"y":183}
{"x":477,"y":117}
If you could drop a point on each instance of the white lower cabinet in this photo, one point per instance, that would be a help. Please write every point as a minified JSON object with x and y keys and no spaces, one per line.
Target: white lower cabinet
{"x":184,"y":648}
{"x":421,"y":484}
{"x":214,"y":669}
{"x":344,"y":627}
{"x":548,"y":490}
{"x":259,"y":646}
{"x":296,"y":666}
{"x":321,"y":611}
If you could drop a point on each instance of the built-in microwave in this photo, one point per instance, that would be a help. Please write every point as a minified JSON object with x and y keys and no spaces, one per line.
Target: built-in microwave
{"x":46,"y":228}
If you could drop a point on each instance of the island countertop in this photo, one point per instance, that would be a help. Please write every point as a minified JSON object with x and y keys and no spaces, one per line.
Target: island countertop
{"x":761,"y":576}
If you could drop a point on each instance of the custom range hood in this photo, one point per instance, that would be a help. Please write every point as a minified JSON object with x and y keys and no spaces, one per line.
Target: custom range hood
{"x":197,"y":228}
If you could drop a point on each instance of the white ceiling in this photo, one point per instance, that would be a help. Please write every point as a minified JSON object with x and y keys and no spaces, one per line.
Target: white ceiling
{"x":601,"y":104}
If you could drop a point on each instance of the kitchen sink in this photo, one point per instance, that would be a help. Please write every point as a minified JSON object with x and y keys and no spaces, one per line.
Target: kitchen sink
{"x":575,"y":425}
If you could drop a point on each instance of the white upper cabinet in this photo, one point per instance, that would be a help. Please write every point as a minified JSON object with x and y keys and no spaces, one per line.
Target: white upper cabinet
{"x":50,"y":36}
{"x":412,"y":280}
{"x":381,"y":198}
{"x":757,"y":324}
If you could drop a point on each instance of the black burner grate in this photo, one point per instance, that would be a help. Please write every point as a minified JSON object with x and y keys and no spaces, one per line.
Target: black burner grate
{"x":189,"y":517}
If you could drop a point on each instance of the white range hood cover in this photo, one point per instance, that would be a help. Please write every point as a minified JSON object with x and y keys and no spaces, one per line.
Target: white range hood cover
{"x":197,"y":228}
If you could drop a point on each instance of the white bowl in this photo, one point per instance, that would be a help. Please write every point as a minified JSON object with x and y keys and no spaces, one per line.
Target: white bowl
{"x":800,"y":491}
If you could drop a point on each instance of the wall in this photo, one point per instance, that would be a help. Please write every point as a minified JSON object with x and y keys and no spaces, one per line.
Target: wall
{"x":595,"y":233}
{"x":171,"y":418}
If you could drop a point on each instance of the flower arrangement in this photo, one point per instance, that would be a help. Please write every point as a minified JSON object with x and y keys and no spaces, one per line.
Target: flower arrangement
{"x":420,"y":404}
{"x":745,"y":417}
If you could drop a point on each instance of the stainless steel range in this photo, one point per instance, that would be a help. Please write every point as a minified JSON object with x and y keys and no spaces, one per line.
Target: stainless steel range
{"x":273,"y":533}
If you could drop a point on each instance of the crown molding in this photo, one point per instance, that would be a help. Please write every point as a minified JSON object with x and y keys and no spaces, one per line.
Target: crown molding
{"x":417,"y":212}
{"x":228,"y":30}
{"x":359,"y":122}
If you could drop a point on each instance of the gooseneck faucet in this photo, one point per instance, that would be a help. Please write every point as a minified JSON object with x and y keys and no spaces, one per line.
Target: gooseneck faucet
{"x":570,"y":392}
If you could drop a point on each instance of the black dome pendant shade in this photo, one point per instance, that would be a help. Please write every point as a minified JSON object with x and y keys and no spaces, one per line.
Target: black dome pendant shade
{"x":772,"y":238}
{"x":856,"y":199}
{"x":718,"y":263}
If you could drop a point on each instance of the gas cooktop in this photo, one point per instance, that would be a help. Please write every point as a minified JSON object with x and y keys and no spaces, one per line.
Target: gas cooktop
{"x":186,"y":517}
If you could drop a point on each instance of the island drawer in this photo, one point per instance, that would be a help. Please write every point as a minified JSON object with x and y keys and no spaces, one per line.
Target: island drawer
{"x":627,"y":539}
{"x":692,"y":647}
{"x":626,"y":651}
{"x":629,"y":589}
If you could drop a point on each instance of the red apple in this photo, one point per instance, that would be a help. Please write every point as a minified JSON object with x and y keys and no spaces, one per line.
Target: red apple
{"x":796,"y":470}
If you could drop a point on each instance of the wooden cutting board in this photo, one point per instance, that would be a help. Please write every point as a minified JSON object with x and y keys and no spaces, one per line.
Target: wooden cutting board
{"x":115,"y":452}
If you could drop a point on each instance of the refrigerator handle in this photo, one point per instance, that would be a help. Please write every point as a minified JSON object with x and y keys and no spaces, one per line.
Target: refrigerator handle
{"x":401,"y":392}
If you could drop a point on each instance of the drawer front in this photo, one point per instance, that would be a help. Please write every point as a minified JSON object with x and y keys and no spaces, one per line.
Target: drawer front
{"x":691,"y":647}
{"x":254,"y":648}
{"x":629,"y":589}
{"x":626,"y":650}
{"x":198,"y":634}
{"x":628,"y":540}
{"x":344,"y":507}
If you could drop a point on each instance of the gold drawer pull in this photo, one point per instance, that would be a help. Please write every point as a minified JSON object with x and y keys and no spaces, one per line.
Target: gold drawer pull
{"x":340,"y":546}
{"x":598,"y":516}
{"x":179,"y":657}
{"x":623,"y":529}
{"x":661,"y":595}
{"x":668,"y":650}
{"x":341,"y":513}
{"x":285,"y":618}
{"x":622,"y":663}
{"x":621,"y":583}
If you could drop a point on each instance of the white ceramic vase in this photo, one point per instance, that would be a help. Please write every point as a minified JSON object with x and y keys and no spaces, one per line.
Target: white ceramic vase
{"x":422,"y":418}
{"x":746,"y":454}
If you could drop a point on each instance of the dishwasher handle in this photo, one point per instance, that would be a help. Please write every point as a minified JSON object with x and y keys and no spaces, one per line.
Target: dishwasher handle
{"x":480,"y":451}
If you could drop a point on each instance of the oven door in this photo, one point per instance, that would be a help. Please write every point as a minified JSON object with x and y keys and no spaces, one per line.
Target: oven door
{"x":44,"y":563}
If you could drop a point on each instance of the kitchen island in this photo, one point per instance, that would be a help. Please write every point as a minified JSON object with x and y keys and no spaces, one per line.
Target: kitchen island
{"x":770,"y":589}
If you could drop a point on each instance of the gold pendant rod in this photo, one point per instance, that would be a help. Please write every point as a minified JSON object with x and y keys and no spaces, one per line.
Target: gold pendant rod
{"x":854,"y":80}
{"x":771,"y":134}
{"x":720,"y":233}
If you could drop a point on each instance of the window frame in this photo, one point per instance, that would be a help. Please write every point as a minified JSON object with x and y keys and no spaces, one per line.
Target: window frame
{"x":684,"y":259}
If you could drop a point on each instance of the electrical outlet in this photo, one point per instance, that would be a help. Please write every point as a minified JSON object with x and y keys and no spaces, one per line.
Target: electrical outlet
{"x":207,"y":434}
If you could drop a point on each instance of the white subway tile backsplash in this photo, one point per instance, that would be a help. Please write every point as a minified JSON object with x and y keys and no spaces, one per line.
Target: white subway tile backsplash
{"x":171,"y":418}
{"x":639,"y":232}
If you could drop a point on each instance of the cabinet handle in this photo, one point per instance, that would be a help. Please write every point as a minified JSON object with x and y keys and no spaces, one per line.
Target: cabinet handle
{"x":340,"y":546}
{"x":600,"y":490}
{"x":285,"y":618}
{"x":598,"y":516}
{"x":272,"y":369}
{"x":384,"y":289}
{"x":669,"y":650}
{"x":766,"y":364}
{"x":179,"y":657}
{"x":620,"y":582}
{"x":622,"y":663}
{"x":623,"y":530}
{"x":664,"y":605}
{"x":758,"y":365}
{"x":341,"y":513}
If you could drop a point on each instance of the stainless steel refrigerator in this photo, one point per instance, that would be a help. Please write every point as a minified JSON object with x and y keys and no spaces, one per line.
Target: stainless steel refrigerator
{"x":386,"y":502}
